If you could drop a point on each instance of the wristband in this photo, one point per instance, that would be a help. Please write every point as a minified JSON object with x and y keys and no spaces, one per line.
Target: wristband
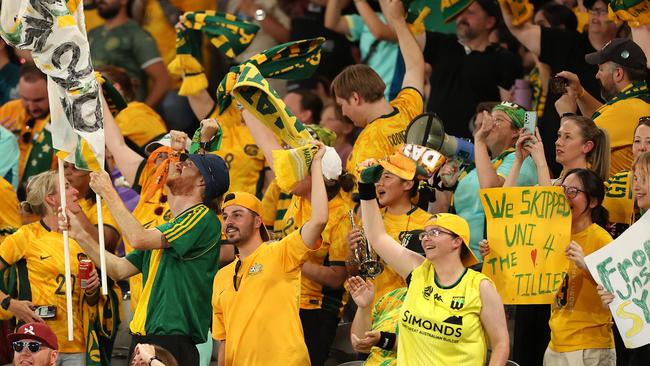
{"x":152,"y":359}
{"x":387,"y":340}
{"x":6,"y":302}
{"x":367,"y":191}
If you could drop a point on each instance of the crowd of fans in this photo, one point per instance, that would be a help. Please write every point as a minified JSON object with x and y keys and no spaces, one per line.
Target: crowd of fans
{"x":206,"y":245}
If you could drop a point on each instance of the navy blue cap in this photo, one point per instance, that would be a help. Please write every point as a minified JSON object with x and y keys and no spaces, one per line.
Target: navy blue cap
{"x":214,"y":172}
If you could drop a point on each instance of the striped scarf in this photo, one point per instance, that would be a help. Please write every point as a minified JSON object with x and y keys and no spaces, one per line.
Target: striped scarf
{"x":224,"y":31}
{"x":638,"y":89}
{"x":634,"y":12}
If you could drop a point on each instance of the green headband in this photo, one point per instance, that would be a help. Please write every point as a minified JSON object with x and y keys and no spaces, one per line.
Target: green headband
{"x":516,"y":113}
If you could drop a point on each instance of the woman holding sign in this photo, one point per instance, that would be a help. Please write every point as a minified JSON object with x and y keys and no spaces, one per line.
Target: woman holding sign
{"x":450,"y":311}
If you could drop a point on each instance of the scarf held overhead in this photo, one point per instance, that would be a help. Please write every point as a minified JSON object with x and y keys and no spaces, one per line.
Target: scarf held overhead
{"x":54,"y":31}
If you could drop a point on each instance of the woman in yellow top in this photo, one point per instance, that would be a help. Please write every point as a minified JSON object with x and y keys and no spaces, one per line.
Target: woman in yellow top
{"x":450,"y":311}
{"x":37,"y":251}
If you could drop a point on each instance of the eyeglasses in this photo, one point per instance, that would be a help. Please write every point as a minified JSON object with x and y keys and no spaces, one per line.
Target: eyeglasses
{"x":236,"y":280}
{"x":434,"y":233}
{"x":32,"y":346}
{"x":571,"y":192}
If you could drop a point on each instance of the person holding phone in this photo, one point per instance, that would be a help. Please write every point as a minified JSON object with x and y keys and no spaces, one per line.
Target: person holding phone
{"x":37,"y":251}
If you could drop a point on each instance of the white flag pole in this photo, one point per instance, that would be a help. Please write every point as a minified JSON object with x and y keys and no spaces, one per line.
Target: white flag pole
{"x":102,"y":246}
{"x":66,"y":255}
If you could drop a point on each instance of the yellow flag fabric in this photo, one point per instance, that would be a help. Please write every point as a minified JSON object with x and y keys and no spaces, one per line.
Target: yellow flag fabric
{"x":521,"y":10}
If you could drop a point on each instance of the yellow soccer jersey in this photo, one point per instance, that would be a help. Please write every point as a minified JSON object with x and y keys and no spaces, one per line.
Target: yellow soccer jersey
{"x":259,"y":319}
{"x":619,"y":199}
{"x":42,"y":278}
{"x":14,"y":110}
{"x":399,"y":227}
{"x":384,"y":135}
{"x":332,"y":252}
{"x":274,"y":206}
{"x":89,"y":208}
{"x":442,"y":318}
{"x":10,"y":213}
{"x":577,"y":319}
{"x":244,"y":159}
{"x":385,"y":318}
{"x":140,"y":125}
{"x":619,"y":120}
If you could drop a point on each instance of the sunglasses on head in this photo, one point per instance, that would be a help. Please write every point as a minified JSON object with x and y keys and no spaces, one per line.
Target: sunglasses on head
{"x":32,"y":346}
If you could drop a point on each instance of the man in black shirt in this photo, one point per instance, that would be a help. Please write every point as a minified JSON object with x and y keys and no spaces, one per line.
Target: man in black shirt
{"x":468,"y":68}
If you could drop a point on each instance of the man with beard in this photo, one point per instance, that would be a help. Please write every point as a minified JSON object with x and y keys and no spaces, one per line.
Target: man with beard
{"x":177,"y":258}
{"x":467,"y":67}
{"x":255,"y":298}
{"x":29,"y":118}
{"x":121,"y":42}
{"x":622,"y":73}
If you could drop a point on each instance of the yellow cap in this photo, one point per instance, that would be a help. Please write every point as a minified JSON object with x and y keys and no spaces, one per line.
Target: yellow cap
{"x":458,"y":226}
{"x":248,"y":201}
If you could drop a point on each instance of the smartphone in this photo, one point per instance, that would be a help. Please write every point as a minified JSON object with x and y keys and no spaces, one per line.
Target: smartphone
{"x":46,"y":311}
{"x":530,"y":122}
{"x":559,"y":84}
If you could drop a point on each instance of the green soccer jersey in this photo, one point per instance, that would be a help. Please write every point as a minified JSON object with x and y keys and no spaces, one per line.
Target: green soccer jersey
{"x":177,"y":280}
{"x":127,"y":46}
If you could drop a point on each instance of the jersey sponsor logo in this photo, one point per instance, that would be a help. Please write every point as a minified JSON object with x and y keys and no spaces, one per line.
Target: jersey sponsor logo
{"x":457,"y":302}
{"x":255,"y":269}
{"x":251,"y":150}
{"x":437,"y":297}
{"x":454,"y":319}
{"x":397,"y":138}
{"x":427,"y":292}
{"x":427,"y":325}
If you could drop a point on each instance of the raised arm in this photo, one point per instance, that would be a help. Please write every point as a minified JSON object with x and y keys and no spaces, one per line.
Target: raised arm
{"x":641,"y":36}
{"x":399,"y":258}
{"x":487,"y":175}
{"x":334,"y":21}
{"x":116,"y":268}
{"x":413,"y":57}
{"x":380,"y":30}
{"x":263,"y":136}
{"x":126,"y":159}
{"x":528,"y":34}
{"x":363,"y":294}
{"x":201,"y":103}
{"x":312,"y":229}
{"x":133,"y":231}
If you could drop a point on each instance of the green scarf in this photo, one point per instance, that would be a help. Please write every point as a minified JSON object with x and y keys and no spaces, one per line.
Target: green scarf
{"x":224,"y":31}
{"x":248,"y":85}
{"x":638,"y":89}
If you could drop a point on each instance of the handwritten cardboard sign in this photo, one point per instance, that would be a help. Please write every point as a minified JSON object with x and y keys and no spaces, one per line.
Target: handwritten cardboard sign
{"x":623,"y":268}
{"x":527,"y":229}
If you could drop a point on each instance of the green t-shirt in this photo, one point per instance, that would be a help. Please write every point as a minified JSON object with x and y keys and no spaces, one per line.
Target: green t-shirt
{"x":177,"y":280}
{"x":127,"y":46}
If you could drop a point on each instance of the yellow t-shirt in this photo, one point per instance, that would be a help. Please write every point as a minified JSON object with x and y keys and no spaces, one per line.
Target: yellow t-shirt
{"x":140,"y":125}
{"x":384,"y":135}
{"x":619,"y":120}
{"x":577,"y":319}
{"x":10,"y":213}
{"x":245,"y":161}
{"x":14,"y":110}
{"x":619,"y":199}
{"x":398,"y":227}
{"x":444,"y":319}
{"x":332,"y":252}
{"x":274,"y":206}
{"x":42,"y":251}
{"x":260,"y":320}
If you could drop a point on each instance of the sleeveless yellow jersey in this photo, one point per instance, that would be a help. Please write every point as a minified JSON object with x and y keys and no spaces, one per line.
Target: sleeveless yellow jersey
{"x":400,"y":228}
{"x":140,"y":125}
{"x":10,"y":213}
{"x":38,"y":255}
{"x":441,"y":325}
{"x":244,"y":159}
{"x":577,"y":319}
{"x":332,"y":252}
{"x":274,"y":206}
{"x":384,"y":135}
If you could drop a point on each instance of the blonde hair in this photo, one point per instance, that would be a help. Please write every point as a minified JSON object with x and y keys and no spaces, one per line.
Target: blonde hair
{"x":599,"y":157}
{"x":38,"y":188}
